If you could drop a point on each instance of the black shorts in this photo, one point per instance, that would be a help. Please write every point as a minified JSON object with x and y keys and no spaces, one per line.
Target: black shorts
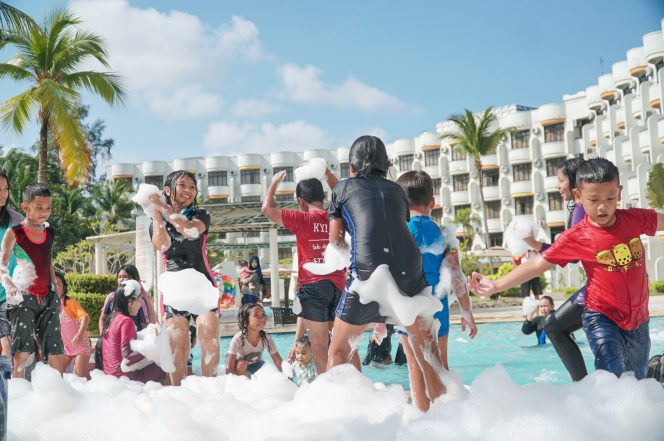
{"x":38,"y":316}
{"x":5,"y":326}
{"x":533,"y":284}
{"x":318,"y":300}
{"x":170,"y":312}
{"x":354,"y":312}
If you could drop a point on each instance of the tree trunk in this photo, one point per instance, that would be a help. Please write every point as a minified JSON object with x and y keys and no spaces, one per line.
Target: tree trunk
{"x":43,"y":149}
{"x":487,"y":241}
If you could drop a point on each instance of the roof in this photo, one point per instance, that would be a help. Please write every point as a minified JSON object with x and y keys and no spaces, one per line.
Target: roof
{"x":241,"y":217}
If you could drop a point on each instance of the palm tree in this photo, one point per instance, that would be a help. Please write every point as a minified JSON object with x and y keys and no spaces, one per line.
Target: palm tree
{"x":467,"y":221}
{"x":49,"y":57}
{"x":475,"y":137}
{"x":21,"y":169}
{"x":112,"y":201}
{"x":13,"y":19}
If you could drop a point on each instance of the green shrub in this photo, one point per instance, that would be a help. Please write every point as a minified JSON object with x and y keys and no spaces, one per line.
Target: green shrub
{"x":569,"y":291}
{"x":657,"y":286}
{"x":92,"y":304}
{"x":91,"y":283}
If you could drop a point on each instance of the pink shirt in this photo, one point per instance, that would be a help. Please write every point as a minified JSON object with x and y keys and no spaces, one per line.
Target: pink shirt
{"x":115,"y":344}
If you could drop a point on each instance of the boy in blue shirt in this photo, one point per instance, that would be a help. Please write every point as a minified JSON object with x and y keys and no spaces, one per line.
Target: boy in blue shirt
{"x":433,"y":246}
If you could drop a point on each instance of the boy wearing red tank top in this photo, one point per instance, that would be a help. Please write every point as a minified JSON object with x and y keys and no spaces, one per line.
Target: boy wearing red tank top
{"x":32,"y":242}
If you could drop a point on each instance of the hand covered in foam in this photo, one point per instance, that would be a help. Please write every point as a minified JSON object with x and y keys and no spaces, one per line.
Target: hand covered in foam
{"x":311,"y":168}
{"x":481,"y":285}
{"x":150,"y":198}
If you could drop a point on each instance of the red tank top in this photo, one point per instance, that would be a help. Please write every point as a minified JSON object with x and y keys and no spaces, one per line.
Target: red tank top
{"x":39,"y":255}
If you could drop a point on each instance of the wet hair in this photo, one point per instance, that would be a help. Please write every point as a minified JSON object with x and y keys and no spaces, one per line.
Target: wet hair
{"x":569,"y":168}
{"x":550,"y":299}
{"x":243,"y":323}
{"x":418,"y":187}
{"x":597,"y":171}
{"x":171,"y":182}
{"x":303,"y":342}
{"x":310,"y":190}
{"x":120,"y":305}
{"x":368,"y":157}
{"x":131,"y":271}
{"x":5,"y":219}
{"x":33,"y":191}
{"x":60,"y":275}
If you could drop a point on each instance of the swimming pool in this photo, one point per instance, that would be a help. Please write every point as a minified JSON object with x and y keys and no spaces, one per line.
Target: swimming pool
{"x":495,"y":343}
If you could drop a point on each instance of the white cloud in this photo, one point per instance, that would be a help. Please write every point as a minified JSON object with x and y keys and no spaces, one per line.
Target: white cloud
{"x":164,"y":55}
{"x":225,"y":137}
{"x":303,"y":85}
{"x":253,"y":108}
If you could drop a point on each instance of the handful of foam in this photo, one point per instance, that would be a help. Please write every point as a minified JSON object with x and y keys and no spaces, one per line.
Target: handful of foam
{"x":311,"y":168}
{"x":515,"y":232}
{"x":529,"y":305}
{"x":188,"y":290}
{"x":154,"y":343}
{"x":142,"y":198}
{"x":334,"y":259}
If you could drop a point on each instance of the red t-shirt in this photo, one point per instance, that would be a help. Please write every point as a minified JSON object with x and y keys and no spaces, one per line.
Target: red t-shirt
{"x":614,"y":261}
{"x":312,"y":234}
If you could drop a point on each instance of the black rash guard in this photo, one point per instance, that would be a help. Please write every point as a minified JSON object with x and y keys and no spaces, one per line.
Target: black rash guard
{"x":187,"y":253}
{"x":375,"y":214}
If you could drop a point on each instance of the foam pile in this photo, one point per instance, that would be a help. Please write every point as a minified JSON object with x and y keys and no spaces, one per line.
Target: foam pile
{"x":154,"y":342}
{"x":311,"y":168}
{"x":340,"y":405}
{"x":188,"y":290}
{"x":516,"y":231}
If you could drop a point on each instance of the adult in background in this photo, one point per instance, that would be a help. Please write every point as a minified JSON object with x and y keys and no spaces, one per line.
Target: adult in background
{"x":179,"y":230}
{"x":145,"y":315}
{"x":535,"y":320}
{"x":318,"y":295}
{"x":255,"y":267}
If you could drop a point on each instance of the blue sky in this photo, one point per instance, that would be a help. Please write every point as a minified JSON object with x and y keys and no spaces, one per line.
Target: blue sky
{"x":210,"y":77}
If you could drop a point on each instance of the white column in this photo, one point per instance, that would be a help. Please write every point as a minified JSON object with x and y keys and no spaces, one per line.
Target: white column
{"x":100,"y":258}
{"x":274,"y":268}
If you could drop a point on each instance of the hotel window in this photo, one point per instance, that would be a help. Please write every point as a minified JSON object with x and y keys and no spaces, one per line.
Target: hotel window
{"x":460,"y":182}
{"x":521,"y":172}
{"x":520,"y":139}
{"x":495,"y":239}
{"x":490,"y":177}
{"x":554,"y":133}
{"x":523,"y":205}
{"x":458,"y":154}
{"x":157,"y":180}
{"x":223,"y":200}
{"x":458,"y":208}
{"x":436,"y":186}
{"x":437,"y":215}
{"x":288,"y":170}
{"x":217,"y":178}
{"x":552,"y":165}
{"x":344,"y":170}
{"x":288,"y":197}
{"x":555,"y":201}
{"x":431,"y":157}
{"x":405,"y":163}
{"x":493,"y":209}
{"x":250,"y":199}
{"x":251,"y":176}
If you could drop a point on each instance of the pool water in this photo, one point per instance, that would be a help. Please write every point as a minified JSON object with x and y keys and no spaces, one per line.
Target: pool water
{"x":503,"y":343}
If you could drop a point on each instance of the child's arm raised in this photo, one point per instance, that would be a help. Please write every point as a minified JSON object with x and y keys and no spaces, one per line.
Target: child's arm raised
{"x":331,"y":179}
{"x":160,"y":238}
{"x":483,"y":286}
{"x":269,"y":207}
{"x":337,"y":233}
{"x":180,"y":222}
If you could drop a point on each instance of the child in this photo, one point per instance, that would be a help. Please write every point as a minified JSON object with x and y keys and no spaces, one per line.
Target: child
{"x":304,"y":368}
{"x":245,"y":353}
{"x":73,"y":328}
{"x":245,"y":275}
{"x":607,"y":243}
{"x":146,"y":314}
{"x":7,"y":219}
{"x":318,"y":295}
{"x":374,"y":211}
{"x":418,"y":187}
{"x":39,"y":312}
{"x":535,"y":323}
{"x":248,"y":281}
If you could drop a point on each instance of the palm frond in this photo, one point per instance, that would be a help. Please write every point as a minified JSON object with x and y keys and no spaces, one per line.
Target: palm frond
{"x":12,"y":19}
{"x":72,"y":50}
{"x":107,"y":85}
{"x":15,"y":112}
{"x":14,"y":72}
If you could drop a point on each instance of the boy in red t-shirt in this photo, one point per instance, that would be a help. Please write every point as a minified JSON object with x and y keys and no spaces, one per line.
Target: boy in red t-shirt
{"x":607,"y":243}
{"x":318,"y":294}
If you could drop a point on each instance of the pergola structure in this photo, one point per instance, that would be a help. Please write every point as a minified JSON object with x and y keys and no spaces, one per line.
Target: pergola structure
{"x":224,"y":218}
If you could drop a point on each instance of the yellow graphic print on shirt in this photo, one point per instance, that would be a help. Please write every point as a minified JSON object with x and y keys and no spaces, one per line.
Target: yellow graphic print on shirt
{"x":622,"y":257}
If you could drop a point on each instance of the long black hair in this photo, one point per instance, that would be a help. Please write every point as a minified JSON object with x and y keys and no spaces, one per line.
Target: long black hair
{"x":5,"y":219}
{"x":131,"y":271}
{"x":243,"y":323}
{"x":60,"y":275}
{"x":368,"y":157}
{"x":569,"y":168}
{"x":171,"y":182}
{"x":120,"y":305}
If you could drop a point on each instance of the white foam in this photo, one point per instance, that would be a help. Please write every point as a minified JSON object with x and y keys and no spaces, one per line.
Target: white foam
{"x":154,"y":342}
{"x":311,"y":168}
{"x":397,"y":307}
{"x":516,"y":231}
{"x":339,"y":405}
{"x":334,"y":259}
{"x":191,"y":233}
{"x":24,"y":274}
{"x":529,"y":305}
{"x":142,"y":198}
{"x":188,"y":290}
